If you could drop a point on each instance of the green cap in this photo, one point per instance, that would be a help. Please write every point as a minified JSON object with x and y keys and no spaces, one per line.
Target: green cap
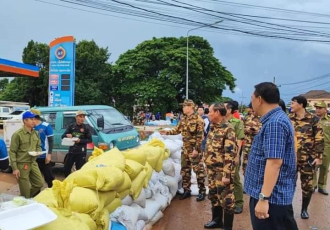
{"x":321,"y":104}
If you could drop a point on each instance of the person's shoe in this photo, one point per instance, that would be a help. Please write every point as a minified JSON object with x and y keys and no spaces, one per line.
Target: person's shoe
{"x":238,"y":210}
{"x":185,"y":195}
{"x":200,"y":197}
{"x":216,"y":222}
{"x":305,"y":203}
{"x":323,"y":191}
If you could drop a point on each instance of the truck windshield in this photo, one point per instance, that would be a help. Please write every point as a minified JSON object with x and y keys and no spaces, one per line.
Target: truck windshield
{"x":112,"y":118}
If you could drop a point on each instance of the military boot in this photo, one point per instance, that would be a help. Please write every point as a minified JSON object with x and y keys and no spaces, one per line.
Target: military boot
{"x":216,"y":222}
{"x":228,"y":221}
{"x":305,"y":203}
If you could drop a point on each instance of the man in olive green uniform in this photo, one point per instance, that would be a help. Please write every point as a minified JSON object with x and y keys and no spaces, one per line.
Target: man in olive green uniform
{"x":310,"y":147}
{"x":220,"y":153}
{"x":191,"y":127}
{"x":238,"y":126}
{"x":25,"y":167}
{"x":321,"y":182}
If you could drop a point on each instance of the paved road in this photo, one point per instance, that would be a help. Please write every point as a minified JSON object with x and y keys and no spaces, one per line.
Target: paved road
{"x":191,"y":215}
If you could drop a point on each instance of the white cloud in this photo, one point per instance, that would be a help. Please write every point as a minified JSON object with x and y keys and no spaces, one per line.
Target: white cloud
{"x":237,"y":90}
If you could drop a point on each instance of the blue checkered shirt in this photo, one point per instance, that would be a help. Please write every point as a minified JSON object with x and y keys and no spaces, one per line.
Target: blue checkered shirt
{"x":274,"y":141}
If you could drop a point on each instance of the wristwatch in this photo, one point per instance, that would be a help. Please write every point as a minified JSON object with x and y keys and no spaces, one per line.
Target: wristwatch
{"x":262,"y":197}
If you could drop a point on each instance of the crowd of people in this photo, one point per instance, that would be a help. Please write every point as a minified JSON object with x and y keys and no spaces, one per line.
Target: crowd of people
{"x":273,"y":147}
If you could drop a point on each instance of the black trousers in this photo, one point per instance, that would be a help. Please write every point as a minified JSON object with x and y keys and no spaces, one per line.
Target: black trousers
{"x":4,"y":164}
{"x":46,"y":170}
{"x":280,"y":217}
{"x":78,"y":159}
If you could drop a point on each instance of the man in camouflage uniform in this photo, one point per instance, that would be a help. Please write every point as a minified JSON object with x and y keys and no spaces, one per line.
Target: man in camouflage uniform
{"x":191,"y":127}
{"x":219,"y":159}
{"x":321,"y":182}
{"x":238,"y":126}
{"x":252,"y":126}
{"x":310,"y":147}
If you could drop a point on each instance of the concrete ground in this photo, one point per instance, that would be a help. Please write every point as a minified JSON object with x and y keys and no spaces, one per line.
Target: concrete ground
{"x":191,"y":215}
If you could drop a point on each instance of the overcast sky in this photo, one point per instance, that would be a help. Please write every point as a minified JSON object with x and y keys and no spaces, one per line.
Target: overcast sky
{"x":251,"y":60}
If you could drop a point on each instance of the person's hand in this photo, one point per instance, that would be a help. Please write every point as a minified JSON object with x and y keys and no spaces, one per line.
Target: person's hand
{"x":77,"y":141}
{"x":317,"y":162}
{"x":69,"y":135}
{"x":48,"y":158}
{"x":17,"y":173}
{"x":236,"y":160}
{"x":162,"y":132}
{"x":261,"y":209}
{"x":225,"y":180}
{"x":194,"y":153}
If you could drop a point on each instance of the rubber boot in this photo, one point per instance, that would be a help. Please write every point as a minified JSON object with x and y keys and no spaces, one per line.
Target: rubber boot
{"x":305,"y":203}
{"x":228,"y":221}
{"x":216,"y":221}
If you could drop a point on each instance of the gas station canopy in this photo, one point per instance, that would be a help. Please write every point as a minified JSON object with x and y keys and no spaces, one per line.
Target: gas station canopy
{"x":16,"y":69}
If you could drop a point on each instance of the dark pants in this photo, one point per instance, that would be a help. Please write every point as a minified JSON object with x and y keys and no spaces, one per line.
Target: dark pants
{"x":46,"y":170}
{"x":4,"y":164}
{"x":280,"y":217}
{"x":78,"y":159}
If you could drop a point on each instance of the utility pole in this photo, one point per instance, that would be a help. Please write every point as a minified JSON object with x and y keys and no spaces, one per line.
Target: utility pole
{"x":274,"y":80}
{"x":242,"y":97}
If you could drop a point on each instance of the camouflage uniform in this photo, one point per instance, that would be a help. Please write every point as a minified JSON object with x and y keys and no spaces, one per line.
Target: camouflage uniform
{"x":238,"y":126}
{"x":192,"y":131}
{"x":310,"y":145}
{"x":219,"y":159}
{"x":250,"y":121}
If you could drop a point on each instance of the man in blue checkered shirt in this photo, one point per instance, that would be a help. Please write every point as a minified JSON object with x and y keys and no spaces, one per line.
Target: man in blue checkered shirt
{"x":270,"y":178}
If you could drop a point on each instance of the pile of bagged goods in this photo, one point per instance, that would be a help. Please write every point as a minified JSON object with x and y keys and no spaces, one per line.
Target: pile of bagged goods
{"x":118,"y":190}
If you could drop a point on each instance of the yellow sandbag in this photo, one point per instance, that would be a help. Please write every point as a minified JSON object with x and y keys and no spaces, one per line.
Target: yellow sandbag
{"x":101,"y":178}
{"x":64,"y":221}
{"x":123,"y":194}
{"x":96,"y":152}
{"x":156,"y":143}
{"x":166,"y":154}
{"x":137,"y":155}
{"x":149,"y":174}
{"x":112,"y":157}
{"x":47,"y":198}
{"x":137,"y":184}
{"x":153,"y":155}
{"x":85,"y":218}
{"x":103,"y":221}
{"x":114,"y":205}
{"x":84,"y":200}
{"x":126,"y":185}
{"x":159,"y":164}
{"x":133,"y":168}
{"x":61,"y":191}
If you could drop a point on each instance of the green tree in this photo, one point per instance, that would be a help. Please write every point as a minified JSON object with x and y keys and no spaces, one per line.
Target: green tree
{"x":154,"y":74}
{"x":93,"y":76}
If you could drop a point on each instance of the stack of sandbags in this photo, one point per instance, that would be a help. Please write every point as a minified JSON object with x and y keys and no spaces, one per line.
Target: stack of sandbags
{"x":92,"y":192}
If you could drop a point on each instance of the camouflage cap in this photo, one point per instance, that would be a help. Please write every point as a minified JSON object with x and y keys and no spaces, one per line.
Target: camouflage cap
{"x":188,"y":103}
{"x":321,"y":104}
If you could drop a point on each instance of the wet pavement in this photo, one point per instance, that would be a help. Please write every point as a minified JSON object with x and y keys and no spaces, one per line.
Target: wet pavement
{"x":191,"y":215}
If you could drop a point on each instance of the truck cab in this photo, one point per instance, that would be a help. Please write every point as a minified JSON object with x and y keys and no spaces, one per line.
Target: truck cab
{"x":109,"y":128}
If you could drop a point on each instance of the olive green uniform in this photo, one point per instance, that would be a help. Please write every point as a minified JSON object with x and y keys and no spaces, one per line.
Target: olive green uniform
{"x":238,"y":126}
{"x":323,"y":177}
{"x":30,"y":180}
